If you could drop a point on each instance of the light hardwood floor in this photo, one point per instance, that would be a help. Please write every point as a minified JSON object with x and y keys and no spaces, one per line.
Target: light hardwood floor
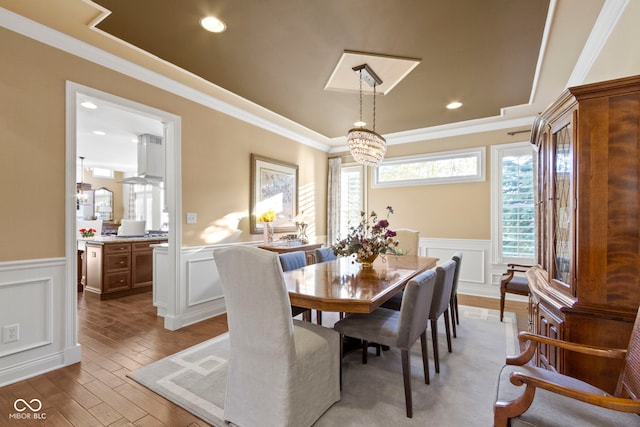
{"x":117,"y":337}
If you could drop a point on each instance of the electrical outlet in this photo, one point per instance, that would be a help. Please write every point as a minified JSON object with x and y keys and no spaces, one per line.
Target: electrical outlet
{"x":10,"y":333}
{"x":192,"y":218}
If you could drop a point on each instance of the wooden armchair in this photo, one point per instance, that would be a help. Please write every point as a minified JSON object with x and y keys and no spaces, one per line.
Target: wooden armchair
{"x":562,"y":400}
{"x":513,"y":283}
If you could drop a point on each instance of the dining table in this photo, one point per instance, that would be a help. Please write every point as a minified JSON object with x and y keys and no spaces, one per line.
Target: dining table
{"x":343,"y":285}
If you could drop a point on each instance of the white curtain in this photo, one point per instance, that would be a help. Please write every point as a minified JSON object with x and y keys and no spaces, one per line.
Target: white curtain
{"x":333,"y":200}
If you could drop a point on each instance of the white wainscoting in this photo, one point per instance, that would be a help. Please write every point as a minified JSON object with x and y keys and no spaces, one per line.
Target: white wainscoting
{"x":198,"y":297}
{"x":476,"y":276}
{"x":33,"y":295}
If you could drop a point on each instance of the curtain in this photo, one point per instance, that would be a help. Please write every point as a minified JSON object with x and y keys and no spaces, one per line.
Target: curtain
{"x":333,"y":200}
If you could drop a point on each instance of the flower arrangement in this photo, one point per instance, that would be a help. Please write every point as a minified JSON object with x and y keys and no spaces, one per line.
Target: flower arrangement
{"x":268,"y":216}
{"x":368,"y":239}
{"x":87,"y":232}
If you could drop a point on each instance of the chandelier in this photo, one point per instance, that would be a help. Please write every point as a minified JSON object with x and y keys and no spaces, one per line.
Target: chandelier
{"x":367,"y":147}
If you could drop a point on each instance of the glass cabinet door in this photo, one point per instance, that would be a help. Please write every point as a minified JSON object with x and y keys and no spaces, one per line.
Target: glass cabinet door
{"x":562,"y":205}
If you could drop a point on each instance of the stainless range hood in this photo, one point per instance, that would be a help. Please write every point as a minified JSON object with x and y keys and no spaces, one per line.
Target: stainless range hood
{"x":150,"y":161}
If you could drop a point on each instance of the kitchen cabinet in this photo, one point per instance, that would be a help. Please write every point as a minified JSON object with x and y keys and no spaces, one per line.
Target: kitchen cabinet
{"x":119,"y":266}
{"x":586,"y":285}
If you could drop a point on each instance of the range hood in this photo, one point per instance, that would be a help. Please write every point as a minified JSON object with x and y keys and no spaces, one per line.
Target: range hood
{"x":150,"y":161}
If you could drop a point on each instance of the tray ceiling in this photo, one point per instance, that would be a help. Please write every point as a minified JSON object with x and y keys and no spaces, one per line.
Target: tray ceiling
{"x":280,"y":54}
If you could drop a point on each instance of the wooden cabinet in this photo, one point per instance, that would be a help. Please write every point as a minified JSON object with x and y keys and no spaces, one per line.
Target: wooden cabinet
{"x":308,"y":248}
{"x":119,"y":268}
{"x":141,"y":264}
{"x":586,"y":287}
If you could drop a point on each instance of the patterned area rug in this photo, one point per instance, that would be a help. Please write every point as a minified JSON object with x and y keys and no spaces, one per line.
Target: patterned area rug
{"x":373,"y":394}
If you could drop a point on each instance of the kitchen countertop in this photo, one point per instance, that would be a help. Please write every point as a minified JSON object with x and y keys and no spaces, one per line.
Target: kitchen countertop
{"x":101,"y":240}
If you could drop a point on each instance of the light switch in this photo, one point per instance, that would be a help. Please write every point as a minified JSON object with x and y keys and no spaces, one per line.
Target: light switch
{"x":192,"y":218}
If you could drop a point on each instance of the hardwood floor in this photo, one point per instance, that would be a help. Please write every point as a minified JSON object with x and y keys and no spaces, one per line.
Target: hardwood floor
{"x":117,"y":337}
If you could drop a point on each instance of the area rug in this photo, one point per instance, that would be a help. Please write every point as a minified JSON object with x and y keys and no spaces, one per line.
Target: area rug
{"x":461,"y":394}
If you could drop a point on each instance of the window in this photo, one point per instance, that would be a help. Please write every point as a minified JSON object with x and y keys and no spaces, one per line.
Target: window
{"x":435,"y":168}
{"x":513,"y":203}
{"x":351,"y":197}
{"x":102,"y":173}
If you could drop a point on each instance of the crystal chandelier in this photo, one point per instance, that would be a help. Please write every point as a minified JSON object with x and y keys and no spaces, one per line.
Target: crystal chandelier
{"x":367,"y":147}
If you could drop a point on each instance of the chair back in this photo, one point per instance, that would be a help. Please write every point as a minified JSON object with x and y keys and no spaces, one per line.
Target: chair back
{"x":415,"y":307}
{"x":257,"y":302}
{"x":324,"y":254}
{"x":408,"y":241}
{"x":457,"y":257}
{"x":293,"y":260}
{"x":96,"y":224}
{"x":444,"y":285}
{"x":131,"y":227}
{"x":629,"y":381}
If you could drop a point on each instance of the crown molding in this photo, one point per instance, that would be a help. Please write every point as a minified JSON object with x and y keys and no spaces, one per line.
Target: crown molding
{"x":66,"y":43}
{"x":607,"y":20}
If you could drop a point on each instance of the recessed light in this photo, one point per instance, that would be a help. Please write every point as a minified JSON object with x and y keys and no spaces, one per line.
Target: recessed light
{"x":359,"y":124}
{"x":454,"y":105}
{"x":89,"y":105}
{"x":99,"y":132}
{"x":213,"y":24}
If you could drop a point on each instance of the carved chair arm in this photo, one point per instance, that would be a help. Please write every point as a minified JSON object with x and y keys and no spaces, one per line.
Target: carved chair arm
{"x":533,"y":340}
{"x":522,"y":268}
{"x":575,"y":389}
{"x":507,"y":276}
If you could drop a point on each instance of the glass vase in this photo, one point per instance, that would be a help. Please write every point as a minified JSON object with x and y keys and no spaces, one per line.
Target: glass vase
{"x":267,"y":229}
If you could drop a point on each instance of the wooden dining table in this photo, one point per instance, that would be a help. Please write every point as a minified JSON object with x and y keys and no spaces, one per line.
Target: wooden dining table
{"x":343,"y":285}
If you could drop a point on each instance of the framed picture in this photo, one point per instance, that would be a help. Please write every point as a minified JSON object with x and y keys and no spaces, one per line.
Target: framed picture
{"x":274,"y":187}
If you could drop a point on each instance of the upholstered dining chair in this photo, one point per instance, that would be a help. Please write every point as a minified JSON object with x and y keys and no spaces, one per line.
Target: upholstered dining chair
{"x":292,"y":261}
{"x":282,"y":371}
{"x":549,"y":398}
{"x":324,"y":254}
{"x":513,"y":281}
{"x":453,"y":305}
{"x":408,"y":241}
{"x":399,"y":329}
{"x":440,"y":306}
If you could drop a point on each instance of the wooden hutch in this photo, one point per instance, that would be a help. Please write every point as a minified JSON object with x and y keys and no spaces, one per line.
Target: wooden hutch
{"x":586,"y":287}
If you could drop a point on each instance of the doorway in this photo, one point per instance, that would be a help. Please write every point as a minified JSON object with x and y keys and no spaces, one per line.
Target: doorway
{"x":170,"y":128}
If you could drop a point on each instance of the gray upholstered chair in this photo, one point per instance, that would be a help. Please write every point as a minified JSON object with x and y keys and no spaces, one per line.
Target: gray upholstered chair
{"x":398,"y":328}
{"x":408,"y":241}
{"x":440,"y":306}
{"x":453,"y":305}
{"x":282,"y":372}
{"x":324,"y":254}
{"x":292,"y":261}
{"x":549,"y":398}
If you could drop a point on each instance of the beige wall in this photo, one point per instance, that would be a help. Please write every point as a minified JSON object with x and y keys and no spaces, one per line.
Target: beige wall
{"x":215,"y":152}
{"x":451,"y":211}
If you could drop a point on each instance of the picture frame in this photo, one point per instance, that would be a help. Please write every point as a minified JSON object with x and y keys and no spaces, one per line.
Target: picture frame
{"x":274,"y":186}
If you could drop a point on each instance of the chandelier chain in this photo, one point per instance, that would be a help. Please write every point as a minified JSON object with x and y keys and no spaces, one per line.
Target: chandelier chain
{"x":374,"y":107}
{"x":360,"y":72}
